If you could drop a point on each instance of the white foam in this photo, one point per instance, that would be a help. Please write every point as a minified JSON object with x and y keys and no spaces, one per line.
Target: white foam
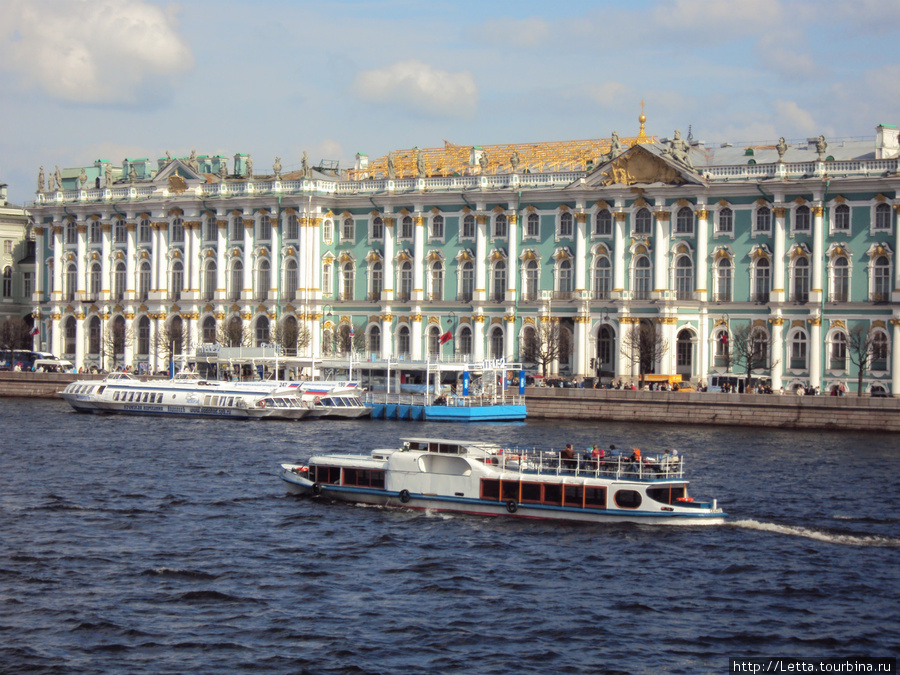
{"x":843,"y":539}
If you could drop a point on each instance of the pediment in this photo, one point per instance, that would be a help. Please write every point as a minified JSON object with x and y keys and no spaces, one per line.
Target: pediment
{"x":643,"y":165}
{"x":178,"y":176}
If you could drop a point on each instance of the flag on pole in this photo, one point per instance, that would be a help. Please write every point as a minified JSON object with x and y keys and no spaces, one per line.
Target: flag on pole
{"x":35,"y":331}
{"x":723,"y":338}
{"x":446,"y":337}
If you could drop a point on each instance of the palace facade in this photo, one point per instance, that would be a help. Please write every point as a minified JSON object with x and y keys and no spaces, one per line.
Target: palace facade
{"x":794,"y":241}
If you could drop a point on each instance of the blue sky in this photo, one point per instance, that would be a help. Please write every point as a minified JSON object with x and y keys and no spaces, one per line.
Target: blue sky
{"x":89,"y":79}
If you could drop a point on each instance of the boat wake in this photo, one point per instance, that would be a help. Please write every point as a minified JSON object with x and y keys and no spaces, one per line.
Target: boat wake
{"x":819,"y":535}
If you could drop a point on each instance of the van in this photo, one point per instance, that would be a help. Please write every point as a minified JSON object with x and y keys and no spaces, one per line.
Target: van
{"x":737,"y":382}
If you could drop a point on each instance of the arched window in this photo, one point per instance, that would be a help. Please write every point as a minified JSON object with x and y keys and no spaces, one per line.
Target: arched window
{"x":533,"y":225}
{"x":842,"y":218}
{"x":723,"y":280}
{"x":500,"y":225}
{"x":348,"y":232}
{"x":881,"y":279}
{"x":838,"y":351}
{"x":71,"y":232}
{"x":71,"y":281}
{"x":684,"y":221}
{"x":209,"y":280}
{"x":761,"y":280}
{"x":530,"y":286}
{"x":265,"y":228}
{"x":262,"y":331}
{"x":144,"y":280}
{"x":234,"y":332}
{"x":467,"y":281}
{"x":684,"y":353}
{"x":602,"y":282}
{"x":143,"y":335}
{"x":564,"y":281}
{"x":263,"y":279}
{"x":94,"y":335}
{"x":763,"y":219}
{"x":120,"y":232}
{"x":374,"y":343}
{"x":210,"y":229}
{"x":209,"y":330}
{"x":433,"y":342}
{"x":347,"y":281}
{"x":465,"y":341}
{"x":177,"y":231}
{"x":882,"y":217}
{"x":436,"y":291}
{"x":798,"y":351}
{"x":290,"y":279}
{"x":144,"y":231}
{"x":377,"y":228}
{"x":177,"y":283}
{"x":96,"y":281}
{"x":565,"y":224}
{"x":290,"y":336}
{"x":437,"y":227}
{"x":603,"y":223}
{"x":328,"y":230}
{"x":95,"y":233}
{"x":642,"y":274}
{"x":292,"y":227}
{"x":725,"y":222}
{"x":497,"y":343}
{"x":498,"y":286}
{"x":376,"y":281}
{"x":721,"y":356}
{"x":684,"y":278}
{"x":403,"y":341}
{"x":800,"y":282}
{"x":468,"y":228}
{"x":71,"y":332}
{"x":879,"y":352}
{"x":802,"y":219}
{"x":404,"y":287}
{"x":237,"y":280}
{"x":119,"y":281}
{"x":606,"y":345}
{"x":643,"y":221}
{"x":840,"y":284}
{"x":406,"y":227}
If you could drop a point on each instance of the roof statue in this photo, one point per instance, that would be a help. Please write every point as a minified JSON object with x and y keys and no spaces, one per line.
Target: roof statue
{"x":391,"y":171}
{"x":249,"y":166}
{"x":821,"y":147}
{"x":276,"y":168}
{"x":82,"y":178}
{"x":420,"y":163}
{"x":223,"y":169}
{"x":132,"y":174}
{"x":514,"y":160}
{"x":483,"y":162}
{"x":193,"y":162}
{"x":107,"y":175}
{"x":41,"y":180}
{"x":57,"y":176}
{"x":168,"y":156}
{"x":304,"y":163}
{"x":781,"y":148}
{"x":679,"y":150}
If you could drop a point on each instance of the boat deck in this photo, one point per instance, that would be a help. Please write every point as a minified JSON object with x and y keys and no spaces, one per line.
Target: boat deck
{"x":665,"y":467}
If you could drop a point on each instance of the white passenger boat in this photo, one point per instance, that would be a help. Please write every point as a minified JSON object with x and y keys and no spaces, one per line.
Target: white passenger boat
{"x":488,"y":479}
{"x":333,"y":399}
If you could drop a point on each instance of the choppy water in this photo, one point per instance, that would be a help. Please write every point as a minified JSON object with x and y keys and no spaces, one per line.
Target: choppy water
{"x":141,"y":545}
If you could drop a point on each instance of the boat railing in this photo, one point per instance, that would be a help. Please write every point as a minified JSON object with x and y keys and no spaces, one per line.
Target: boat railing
{"x":382,"y":398}
{"x":618,"y":466}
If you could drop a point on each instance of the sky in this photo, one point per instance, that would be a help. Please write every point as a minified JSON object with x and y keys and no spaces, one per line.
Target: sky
{"x":82,"y":80}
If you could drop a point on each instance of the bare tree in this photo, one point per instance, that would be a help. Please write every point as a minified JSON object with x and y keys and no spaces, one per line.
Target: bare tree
{"x":15,"y":334}
{"x":171,"y":341}
{"x":348,"y":339}
{"x":545,"y":344}
{"x":231,"y":332}
{"x":643,"y":346}
{"x":291,"y":337}
{"x":863,"y":349}
{"x":751,"y":348}
{"x":115,"y":338}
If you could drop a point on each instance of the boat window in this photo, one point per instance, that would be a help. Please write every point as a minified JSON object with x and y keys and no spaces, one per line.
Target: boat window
{"x":116,"y":396}
{"x":326,"y":474}
{"x":130,"y":396}
{"x":146,"y":396}
{"x":215,"y":400}
{"x":628,"y":499}
{"x":666,"y":495}
{"x":372,"y":478}
{"x":573,"y":496}
{"x":490,"y":489}
{"x":531,"y":492}
{"x":509,"y":489}
{"x":552,"y":493}
{"x":206,"y":400}
{"x":230,"y":401}
{"x":595,"y":497}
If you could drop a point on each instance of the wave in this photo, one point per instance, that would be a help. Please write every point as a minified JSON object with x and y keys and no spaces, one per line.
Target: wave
{"x":818,"y":535}
{"x":178,"y":573}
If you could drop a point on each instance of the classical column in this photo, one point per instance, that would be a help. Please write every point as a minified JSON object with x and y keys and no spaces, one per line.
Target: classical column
{"x":79,"y":339}
{"x":106,"y":280}
{"x":249,"y":276}
{"x":315,"y":247}
{"x":275,"y":293}
{"x":478,"y":337}
{"x":623,"y":363}
{"x":702,"y":262}
{"x":578,"y":364}
{"x":221,"y":251}
{"x":777,"y":354}
{"x":509,"y":337}
{"x":415,"y":338}
{"x":512,"y":251}
{"x":387,"y":334}
{"x":619,"y":253}
{"x":155,"y":254}
{"x":702,"y":348}
{"x":162,"y":252}
{"x":387,"y":294}
{"x":481,"y":221}
{"x":660,"y":253}
{"x":80,"y":285}
{"x":666,"y":328}
{"x":130,"y":329}
{"x":192,"y":256}
{"x":815,"y":352}
{"x":778,"y":262}
{"x":580,"y":251}
{"x":56,"y":294}
{"x":154,"y":352}
{"x":896,"y":293}
{"x":818,"y":253}
{"x":418,"y":294}
{"x":37,"y":290}
{"x":130,"y":250}
{"x":56,"y":342}
{"x":895,"y":358}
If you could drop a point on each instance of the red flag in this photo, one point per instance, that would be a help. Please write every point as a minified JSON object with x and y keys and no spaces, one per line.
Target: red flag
{"x":723,"y":338}
{"x":446,"y":337}
{"x":35,"y":331}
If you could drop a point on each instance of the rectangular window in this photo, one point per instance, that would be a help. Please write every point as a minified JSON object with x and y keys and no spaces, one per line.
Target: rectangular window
{"x":595,"y":497}
{"x":573,"y":496}
{"x":531,"y":492}
{"x":330,"y":475}
{"x":490,"y":489}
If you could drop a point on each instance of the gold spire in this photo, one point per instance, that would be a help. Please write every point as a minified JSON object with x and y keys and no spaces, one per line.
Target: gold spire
{"x":642,"y":136}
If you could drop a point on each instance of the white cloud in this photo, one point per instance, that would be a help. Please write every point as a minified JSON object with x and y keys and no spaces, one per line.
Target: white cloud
{"x":92,"y":51}
{"x":419,"y":86}
{"x":530,"y":32}
{"x":685,"y":17}
{"x":798,"y":120}
{"x":775,"y":54}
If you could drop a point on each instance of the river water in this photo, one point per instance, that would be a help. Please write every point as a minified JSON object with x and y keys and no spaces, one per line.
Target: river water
{"x":143,"y":545}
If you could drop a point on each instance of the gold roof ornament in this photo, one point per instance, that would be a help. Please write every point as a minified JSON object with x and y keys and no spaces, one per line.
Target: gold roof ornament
{"x":642,"y":136}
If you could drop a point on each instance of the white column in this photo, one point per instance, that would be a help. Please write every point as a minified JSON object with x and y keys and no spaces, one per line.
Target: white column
{"x":509,"y":337}
{"x":155,"y":255}
{"x":130,"y":329}
{"x":478,"y":337}
{"x":249,"y":275}
{"x":660,"y":252}
{"x":481,"y":259}
{"x":415,"y":337}
{"x":106,"y":281}
{"x":702,"y":260}
{"x":275,"y":292}
{"x":619,"y":261}
{"x":580,"y":252}
{"x":80,"y":285}
{"x":387,"y":294}
{"x":778,"y":293}
{"x":419,"y":267}
{"x":221,"y":250}
{"x":154,"y":353}
{"x":79,"y":340}
{"x":818,"y":253}
{"x":56,"y":294}
{"x":512,"y":275}
{"x":162,"y":276}
{"x":189,"y":254}
{"x":387,"y":334}
{"x":777,"y":355}
{"x":896,"y":294}
{"x":623,"y":363}
{"x":193,"y":257}
{"x":895,"y":357}
{"x":578,"y":364}
{"x":703,"y":346}
{"x":815,"y":352}
{"x":131,"y":232}
{"x":56,"y":342}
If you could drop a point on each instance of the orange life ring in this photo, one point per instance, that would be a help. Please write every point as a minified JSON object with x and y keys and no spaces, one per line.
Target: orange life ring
{"x":262,"y":404}
{"x":317,"y":399}
{"x":685,"y":499}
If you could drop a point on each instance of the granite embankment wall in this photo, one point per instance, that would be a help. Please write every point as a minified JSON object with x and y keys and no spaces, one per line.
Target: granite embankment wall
{"x":38,"y":385}
{"x":790,"y":412}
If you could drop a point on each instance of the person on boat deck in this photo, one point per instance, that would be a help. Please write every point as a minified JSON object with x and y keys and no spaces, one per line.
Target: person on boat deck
{"x":635,"y":460}
{"x":568,"y":455}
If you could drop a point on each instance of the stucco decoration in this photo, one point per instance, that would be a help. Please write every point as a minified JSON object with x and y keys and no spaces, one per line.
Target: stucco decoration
{"x":640,"y":166}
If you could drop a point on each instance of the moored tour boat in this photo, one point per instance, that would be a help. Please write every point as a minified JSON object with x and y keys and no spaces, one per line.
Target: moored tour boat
{"x":488,"y":479}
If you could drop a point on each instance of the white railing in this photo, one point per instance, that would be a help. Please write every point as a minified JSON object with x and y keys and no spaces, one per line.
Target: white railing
{"x":382,"y":398}
{"x":619,"y":466}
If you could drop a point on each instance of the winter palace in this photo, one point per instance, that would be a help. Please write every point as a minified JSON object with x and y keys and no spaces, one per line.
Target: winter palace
{"x":793,"y":239}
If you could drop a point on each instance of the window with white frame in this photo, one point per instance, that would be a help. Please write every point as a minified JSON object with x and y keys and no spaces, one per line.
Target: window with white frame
{"x":565,"y":224}
{"x":882,"y":217}
{"x":433,"y":341}
{"x":798,"y":350}
{"x":328,"y":230}
{"x":684,"y":278}
{"x":879,"y":351}
{"x":533,"y":225}
{"x":237,"y":228}
{"x":601,"y":284}
{"x":144,"y":231}
{"x":643,"y":221}
{"x":603,"y":223}
{"x":143,"y":341}
{"x":405,"y":276}
{"x":564,"y":278}
{"x":210,"y":229}
{"x":465,"y":341}
{"x":500,"y":226}
{"x":347,"y":270}
{"x":27,"y":284}
{"x":759,"y":347}
{"x":498,"y":281}
{"x":71,"y":233}
{"x":237,"y":280}
{"x":120,"y":232}
{"x":841,"y":218}
{"x":800,"y":281}
{"x":347,"y":232}
{"x":377,"y":228}
{"x":95,"y":234}
{"x":209,"y":330}
{"x":376,"y":280}
{"x":763,"y":224}
{"x":642,"y":274}
{"x":71,"y":281}
{"x":721,"y":353}
{"x":262,"y":331}
{"x":436,"y":281}
{"x":497,"y":342}
{"x":761,"y":271}
{"x":177,"y":280}
{"x":291,"y":279}
{"x":802,"y":219}
{"x":466,"y":281}
{"x":327,"y":274}
{"x":71,"y":335}
{"x":881,"y":279}
{"x":530,"y":282}
{"x":208,"y":292}
{"x":144,"y":281}
{"x":292,"y":227}
{"x":468,"y":227}
{"x":119,"y":281}
{"x":437,"y":227}
{"x":725,"y":221}
{"x":7,"y":282}
{"x":373,"y":344}
{"x":403,"y":344}
{"x":724,"y":277}
{"x":265,"y":228}
{"x":406,"y":227}
{"x":94,"y":335}
{"x":95,"y":281}
{"x":263,"y":279}
{"x":177,"y":232}
{"x":684,"y":221}
{"x":840,"y":279}
{"x":838,"y":360}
